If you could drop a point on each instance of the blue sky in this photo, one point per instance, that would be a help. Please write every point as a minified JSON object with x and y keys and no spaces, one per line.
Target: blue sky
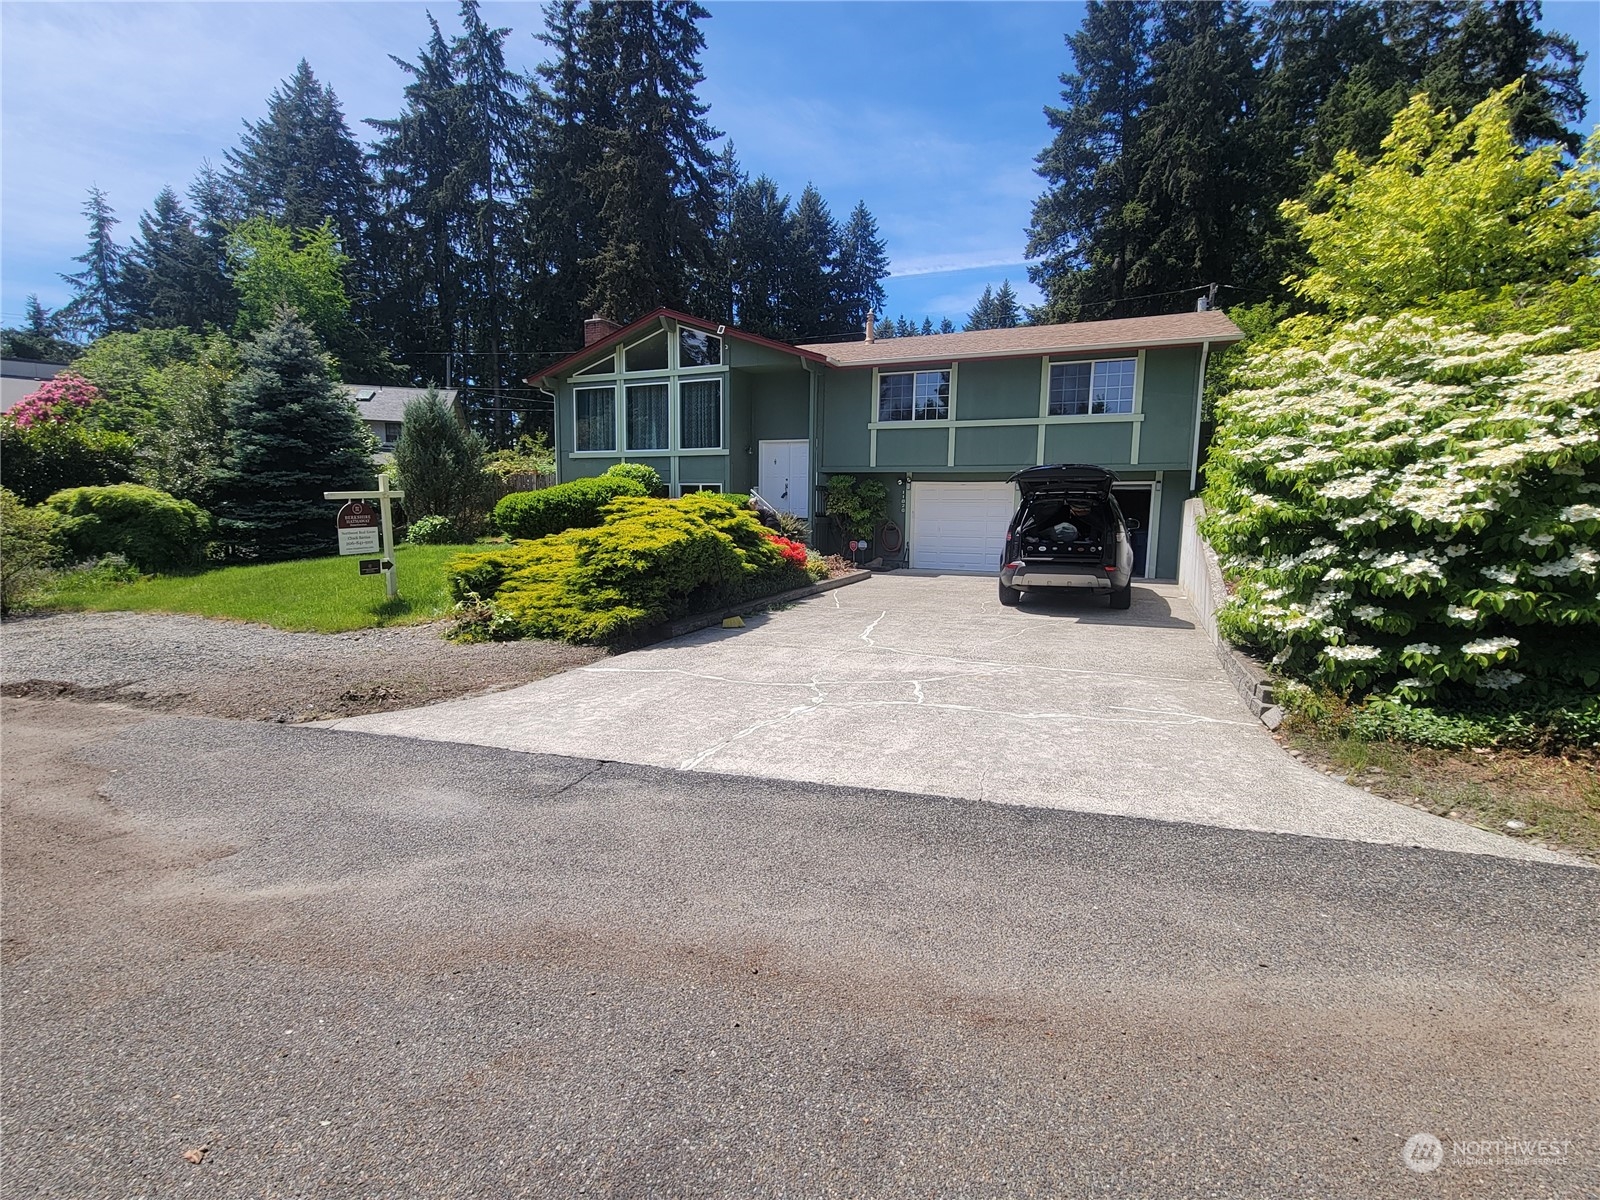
{"x":931,"y":113}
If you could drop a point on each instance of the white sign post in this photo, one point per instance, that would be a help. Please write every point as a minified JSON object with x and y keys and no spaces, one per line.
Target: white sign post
{"x":360,"y":533}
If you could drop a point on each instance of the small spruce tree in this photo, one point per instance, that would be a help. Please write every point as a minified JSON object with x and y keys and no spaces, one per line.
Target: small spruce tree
{"x":294,"y":436}
{"x":440,"y":464}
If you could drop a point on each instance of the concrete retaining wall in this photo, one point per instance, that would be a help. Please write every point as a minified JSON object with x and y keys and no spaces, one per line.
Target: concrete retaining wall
{"x":1201,"y":580}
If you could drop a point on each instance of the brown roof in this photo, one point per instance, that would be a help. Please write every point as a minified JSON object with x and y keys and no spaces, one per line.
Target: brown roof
{"x":556,"y":370}
{"x":1130,"y":333}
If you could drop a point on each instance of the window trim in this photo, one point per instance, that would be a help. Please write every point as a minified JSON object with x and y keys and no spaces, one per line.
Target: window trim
{"x":672,"y":421}
{"x":1133,"y":413}
{"x":616,"y":438}
{"x":677,"y":417}
{"x":878,"y":422}
{"x":679,"y":365}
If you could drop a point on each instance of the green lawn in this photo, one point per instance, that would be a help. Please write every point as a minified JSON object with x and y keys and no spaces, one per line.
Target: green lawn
{"x":318,"y":595}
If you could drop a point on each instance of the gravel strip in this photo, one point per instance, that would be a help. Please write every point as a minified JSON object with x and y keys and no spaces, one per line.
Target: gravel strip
{"x":230,"y":669}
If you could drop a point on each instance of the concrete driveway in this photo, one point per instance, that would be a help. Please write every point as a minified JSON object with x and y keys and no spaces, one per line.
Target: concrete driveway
{"x":924,"y":684}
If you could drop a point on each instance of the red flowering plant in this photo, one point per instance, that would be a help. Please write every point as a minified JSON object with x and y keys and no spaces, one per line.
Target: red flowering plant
{"x":60,"y":401}
{"x":795,"y":552}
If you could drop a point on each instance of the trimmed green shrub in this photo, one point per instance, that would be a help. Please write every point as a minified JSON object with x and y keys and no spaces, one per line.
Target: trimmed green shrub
{"x":648,"y":562}
{"x":439,"y":463}
{"x":435,"y":531}
{"x":28,"y":549}
{"x":644,"y":474}
{"x":575,"y":505}
{"x":152,"y":530}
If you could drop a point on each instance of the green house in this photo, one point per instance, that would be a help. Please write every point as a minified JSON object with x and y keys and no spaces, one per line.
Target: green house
{"x":943,"y":421}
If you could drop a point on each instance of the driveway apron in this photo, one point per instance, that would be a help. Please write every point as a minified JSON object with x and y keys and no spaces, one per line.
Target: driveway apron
{"x":925,"y":684}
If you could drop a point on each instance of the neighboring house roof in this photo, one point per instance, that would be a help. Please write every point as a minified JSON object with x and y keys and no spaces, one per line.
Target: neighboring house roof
{"x":376,"y":403}
{"x":22,"y":378}
{"x":1180,"y":329}
{"x":592,"y":350}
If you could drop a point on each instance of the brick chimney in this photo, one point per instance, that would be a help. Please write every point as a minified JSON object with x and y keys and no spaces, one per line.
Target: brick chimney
{"x":597,"y":329}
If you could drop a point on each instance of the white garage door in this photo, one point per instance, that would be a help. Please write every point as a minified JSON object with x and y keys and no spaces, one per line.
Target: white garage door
{"x":960,"y":526}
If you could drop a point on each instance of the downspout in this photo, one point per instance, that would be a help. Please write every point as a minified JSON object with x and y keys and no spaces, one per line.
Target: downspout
{"x":1199,"y":401}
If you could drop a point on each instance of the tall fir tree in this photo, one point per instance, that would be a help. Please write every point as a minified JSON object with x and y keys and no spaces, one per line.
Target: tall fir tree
{"x":96,"y":307}
{"x":39,"y":338}
{"x":713,"y":296}
{"x":808,"y":308}
{"x":294,"y":435}
{"x":216,"y":210}
{"x":760,"y":258}
{"x":169,"y":276}
{"x":863,"y":264}
{"x":1087,"y":225}
{"x":654,"y":184}
{"x":982,"y":314}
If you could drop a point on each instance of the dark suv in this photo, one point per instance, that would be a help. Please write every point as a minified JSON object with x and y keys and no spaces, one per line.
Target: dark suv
{"x":1068,"y":533}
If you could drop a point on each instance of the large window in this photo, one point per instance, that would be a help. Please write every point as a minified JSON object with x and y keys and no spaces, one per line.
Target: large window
{"x":647,"y":416}
{"x":648,"y":355}
{"x":700,"y":414}
{"x":914,"y":396}
{"x":595,"y":419}
{"x":697,"y":349}
{"x":1081,"y":388}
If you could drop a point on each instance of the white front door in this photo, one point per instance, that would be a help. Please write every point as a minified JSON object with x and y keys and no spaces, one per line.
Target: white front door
{"x":785,"y":477}
{"x":960,"y":526}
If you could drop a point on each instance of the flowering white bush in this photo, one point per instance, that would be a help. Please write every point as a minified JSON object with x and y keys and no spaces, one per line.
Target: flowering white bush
{"x":1412,"y":506}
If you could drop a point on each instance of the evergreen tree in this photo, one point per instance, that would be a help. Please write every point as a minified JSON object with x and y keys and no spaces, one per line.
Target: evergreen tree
{"x":813,"y":252}
{"x":96,"y":307}
{"x":39,"y":340}
{"x":654,"y":184}
{"x":1007,"y":312}
{"x":863,"y":265}
{"x":301,"y":166}
{"x":759,"y":262}
{"x":927,"y":327}
{"x":169,"y":275}
{"x":294,"y":436}
{"x":216,"y":210}
{"x":440,"y":464}
{"x":1087,"y":225}
{"x":714,"y":290}
{"x":946,"y":325}
{"x":982,"y":314}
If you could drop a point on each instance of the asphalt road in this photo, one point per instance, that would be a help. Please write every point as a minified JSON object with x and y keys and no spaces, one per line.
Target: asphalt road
{"x":361,"y":966}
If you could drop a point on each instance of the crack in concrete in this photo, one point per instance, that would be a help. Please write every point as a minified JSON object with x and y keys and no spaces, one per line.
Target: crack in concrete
{"x":866,"y":634}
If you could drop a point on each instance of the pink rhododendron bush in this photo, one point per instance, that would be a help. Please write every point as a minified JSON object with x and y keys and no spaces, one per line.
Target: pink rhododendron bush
{"x":1412,"y":508}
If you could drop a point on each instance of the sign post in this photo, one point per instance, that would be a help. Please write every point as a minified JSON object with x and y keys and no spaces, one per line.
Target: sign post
{"x":361,"y":531}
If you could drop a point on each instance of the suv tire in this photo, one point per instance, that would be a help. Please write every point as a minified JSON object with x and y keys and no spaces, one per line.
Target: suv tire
{"x":1010,"y":596}
{"x":1122,"y":597}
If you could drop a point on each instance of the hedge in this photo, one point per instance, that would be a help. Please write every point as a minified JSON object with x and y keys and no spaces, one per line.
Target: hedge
{"x":575,"y":505}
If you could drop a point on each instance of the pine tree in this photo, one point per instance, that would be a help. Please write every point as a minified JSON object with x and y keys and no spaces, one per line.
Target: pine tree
{"x":858,"y":279}
{"x":301,"y":165}
{"x":927,"y":327}
{"x":39,"y":339}
{"x":1086,"y":225}
{"x":655,"y":182}
{"x":96,"y":307}
{"x":169,"y":275}
{"x":216,"y":210}
{"x":946,"y":325}
{"x":982,"y":314}
{"x":294,"y":436}
{"x":440,"y":465}
{"x":813,"y":253}
{"x":714,"y":291}
{"x":760,"y":258}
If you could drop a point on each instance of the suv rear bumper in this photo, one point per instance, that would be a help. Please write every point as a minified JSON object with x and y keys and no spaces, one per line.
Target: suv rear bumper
{"x":1056,"y":575}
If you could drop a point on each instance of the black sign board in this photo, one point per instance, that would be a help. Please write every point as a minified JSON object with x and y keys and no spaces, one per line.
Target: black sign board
{"x":371,"y":566}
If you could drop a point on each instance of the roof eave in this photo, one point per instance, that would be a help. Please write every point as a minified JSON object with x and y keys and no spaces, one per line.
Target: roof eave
{"x":1036,"y":352}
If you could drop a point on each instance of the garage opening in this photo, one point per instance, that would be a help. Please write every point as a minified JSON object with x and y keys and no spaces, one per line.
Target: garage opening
{"x":1134,"y":501}
{"x":960,"y":526}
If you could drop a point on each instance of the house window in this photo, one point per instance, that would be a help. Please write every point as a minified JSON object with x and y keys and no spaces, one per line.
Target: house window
{"x":647,"y":416}
{"x":690,"y":488}
{"x":700,"y":414}
{"x":604,"y":367}
{"x":391,"y":432}
{"x":697,"y":349}
{"x":648,"y":355}
{"x":914,"y":396}
{"x":595,"y":419}
{"x":1080,"y":388}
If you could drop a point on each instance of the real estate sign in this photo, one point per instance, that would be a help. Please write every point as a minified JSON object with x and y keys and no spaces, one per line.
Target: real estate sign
{"x":360,"y":531}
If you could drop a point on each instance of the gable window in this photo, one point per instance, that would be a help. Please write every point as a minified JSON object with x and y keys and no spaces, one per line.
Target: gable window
{"x":700,"y":414}
{"x":1081,"y":388}
{"x":697,"y":349}
{"x":914,"y":396}
{"x":595,"y":419}
{"x":604,"y":367}
{"x":648,"y":355}
{"x":647,"y":416}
